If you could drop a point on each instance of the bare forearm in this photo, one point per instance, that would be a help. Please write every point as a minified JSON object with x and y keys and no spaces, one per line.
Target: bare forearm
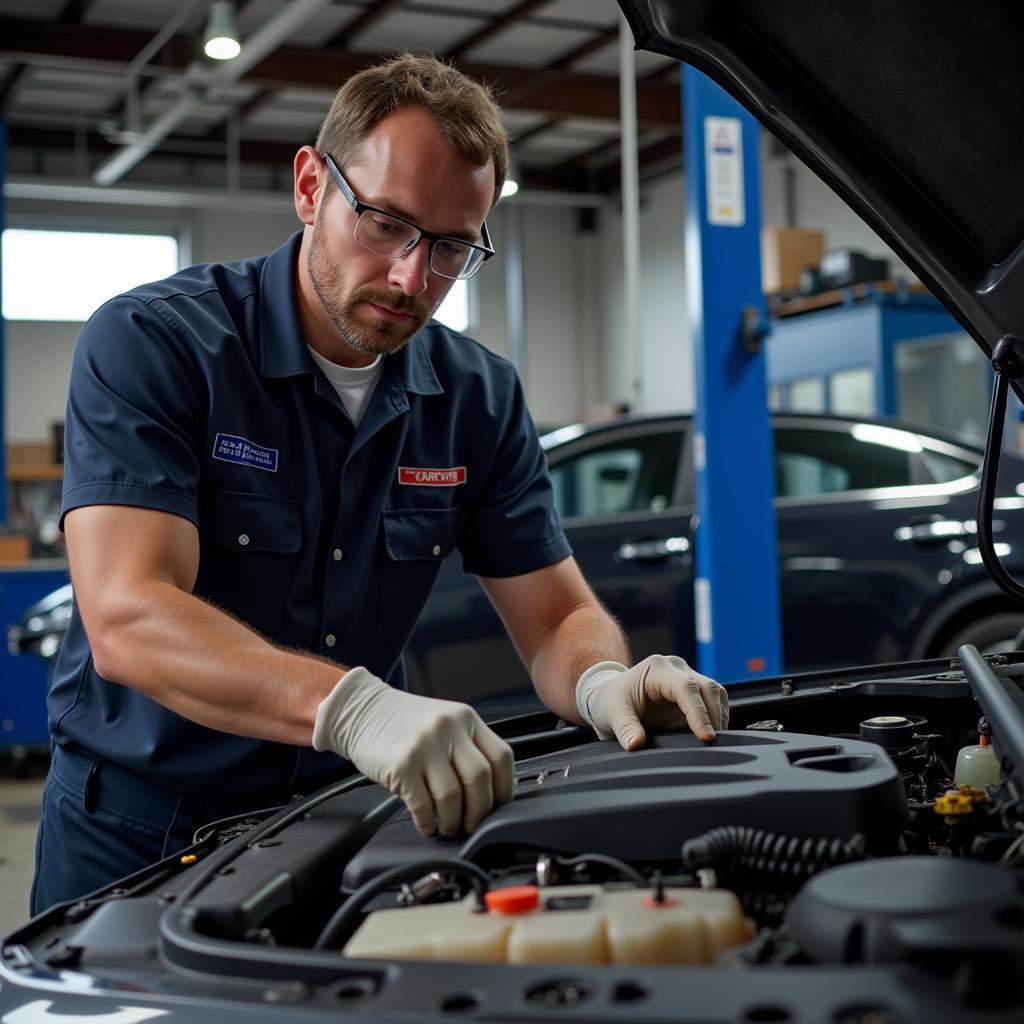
{"x":587,"y":635}
{"x":209,"y":667}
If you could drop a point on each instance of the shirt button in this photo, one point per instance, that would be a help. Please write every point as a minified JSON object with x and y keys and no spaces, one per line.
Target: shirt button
{"x":437,"y":549}
{"x":336,"y":554}
{"x":243,"y":539}
{"x":330,"y":640}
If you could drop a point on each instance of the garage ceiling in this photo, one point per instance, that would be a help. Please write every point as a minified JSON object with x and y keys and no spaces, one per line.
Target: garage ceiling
{"x":71,"y":102}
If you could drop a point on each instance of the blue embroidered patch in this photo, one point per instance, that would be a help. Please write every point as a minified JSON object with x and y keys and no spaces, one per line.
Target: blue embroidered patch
{"x":229,"y":448}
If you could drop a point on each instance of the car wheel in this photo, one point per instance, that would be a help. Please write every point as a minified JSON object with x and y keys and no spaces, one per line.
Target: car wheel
{"x":992,"y":634}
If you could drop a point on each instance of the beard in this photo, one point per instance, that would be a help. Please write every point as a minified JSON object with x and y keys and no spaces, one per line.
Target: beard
{"x":380,"y":337}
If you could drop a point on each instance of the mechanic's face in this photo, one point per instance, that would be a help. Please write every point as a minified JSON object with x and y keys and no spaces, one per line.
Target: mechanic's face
{"x":406,"y":167}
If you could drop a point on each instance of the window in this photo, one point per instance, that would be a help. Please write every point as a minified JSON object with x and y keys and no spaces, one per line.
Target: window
{"x":945,"y":468}
{"x":813,"y":462}
{"x":637,"y":474}
{"x":852,"y":392}
{"x":67,"y":275}
{"x":454,"y":311}
{"x":806,"y":394}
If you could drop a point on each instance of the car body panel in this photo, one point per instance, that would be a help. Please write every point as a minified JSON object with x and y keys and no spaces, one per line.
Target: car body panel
{"x":864,"y":572}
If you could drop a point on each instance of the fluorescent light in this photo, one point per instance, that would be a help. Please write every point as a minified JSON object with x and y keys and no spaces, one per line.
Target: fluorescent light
{"x":220,"y":40}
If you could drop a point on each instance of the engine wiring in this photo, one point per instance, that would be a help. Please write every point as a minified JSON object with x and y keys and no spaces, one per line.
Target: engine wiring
{"x":343,"y":921}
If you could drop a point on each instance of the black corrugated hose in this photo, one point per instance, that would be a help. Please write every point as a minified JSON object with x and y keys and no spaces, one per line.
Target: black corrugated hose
{"x":764,"y":868}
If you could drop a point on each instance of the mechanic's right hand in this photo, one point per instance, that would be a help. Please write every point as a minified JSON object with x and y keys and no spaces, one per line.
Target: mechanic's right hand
{"x":437,"y":755}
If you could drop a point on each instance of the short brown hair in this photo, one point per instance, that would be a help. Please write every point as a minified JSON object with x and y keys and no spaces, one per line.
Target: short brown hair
{"x":465,"y":110}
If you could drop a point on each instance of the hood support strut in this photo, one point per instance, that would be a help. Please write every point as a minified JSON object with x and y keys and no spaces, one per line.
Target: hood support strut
{"x":1008,"y":362}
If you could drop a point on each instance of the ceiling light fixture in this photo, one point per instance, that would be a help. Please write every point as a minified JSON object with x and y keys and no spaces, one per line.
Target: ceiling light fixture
{"x":220,"y":40}
{"x":511,"y":184}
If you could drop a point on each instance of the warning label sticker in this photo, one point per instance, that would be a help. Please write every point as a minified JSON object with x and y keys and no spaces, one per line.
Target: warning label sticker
{"x":723,"y":153}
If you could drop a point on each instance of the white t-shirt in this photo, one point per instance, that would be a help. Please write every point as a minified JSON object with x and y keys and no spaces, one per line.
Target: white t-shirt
{"x":354,"y":384}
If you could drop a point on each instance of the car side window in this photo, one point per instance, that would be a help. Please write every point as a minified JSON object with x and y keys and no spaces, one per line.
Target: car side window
{"x":945,"y":468}
{"x":812,"y":462}
{"x":628,"y":475}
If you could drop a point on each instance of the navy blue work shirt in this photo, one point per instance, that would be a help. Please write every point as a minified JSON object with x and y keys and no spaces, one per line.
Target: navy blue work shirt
{"x":197,"y":396}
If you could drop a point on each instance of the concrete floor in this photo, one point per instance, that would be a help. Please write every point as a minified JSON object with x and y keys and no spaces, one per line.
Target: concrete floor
{"x":19,"y":819}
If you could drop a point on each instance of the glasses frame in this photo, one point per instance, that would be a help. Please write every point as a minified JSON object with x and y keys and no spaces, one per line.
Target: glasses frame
{"x":432,"y":237}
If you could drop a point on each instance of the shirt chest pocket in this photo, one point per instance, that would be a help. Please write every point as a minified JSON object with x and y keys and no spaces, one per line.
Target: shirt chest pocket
{"x":249,"y":545}
{"x":416,"y":542}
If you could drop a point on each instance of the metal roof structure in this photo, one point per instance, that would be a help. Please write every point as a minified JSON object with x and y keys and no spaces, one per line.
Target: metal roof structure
{"x":108,"y":92}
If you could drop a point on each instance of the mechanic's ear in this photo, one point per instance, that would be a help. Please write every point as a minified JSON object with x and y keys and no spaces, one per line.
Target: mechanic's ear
{"x":309,"y":180}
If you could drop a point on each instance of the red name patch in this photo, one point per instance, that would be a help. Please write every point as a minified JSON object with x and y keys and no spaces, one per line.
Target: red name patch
{"x":432,"y":477}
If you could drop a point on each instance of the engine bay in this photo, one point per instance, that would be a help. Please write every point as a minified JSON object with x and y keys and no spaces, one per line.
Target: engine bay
{"x":862,"y":834}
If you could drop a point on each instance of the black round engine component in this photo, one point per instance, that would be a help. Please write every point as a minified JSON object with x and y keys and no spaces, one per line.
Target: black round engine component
{"x":887,"y":910}
{"x":891,"y":732}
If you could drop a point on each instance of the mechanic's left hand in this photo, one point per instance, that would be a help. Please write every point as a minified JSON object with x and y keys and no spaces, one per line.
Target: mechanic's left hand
{"x":661,"y":692}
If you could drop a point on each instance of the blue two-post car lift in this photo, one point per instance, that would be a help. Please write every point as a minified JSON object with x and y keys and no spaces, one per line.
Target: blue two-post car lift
{"x":737,"y":591}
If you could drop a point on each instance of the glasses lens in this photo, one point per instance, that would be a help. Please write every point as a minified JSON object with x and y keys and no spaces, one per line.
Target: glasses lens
{"x":385,"y":235}
{"x":454,"y":259}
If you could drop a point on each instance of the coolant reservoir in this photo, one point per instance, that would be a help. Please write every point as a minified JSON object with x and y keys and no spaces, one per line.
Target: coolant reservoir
{"x":976,"y":766}
{"x":578,"y":924}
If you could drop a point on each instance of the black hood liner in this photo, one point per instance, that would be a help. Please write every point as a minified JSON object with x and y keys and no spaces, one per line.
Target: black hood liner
{"x":950,"y":134}
{"x":912,"y":110}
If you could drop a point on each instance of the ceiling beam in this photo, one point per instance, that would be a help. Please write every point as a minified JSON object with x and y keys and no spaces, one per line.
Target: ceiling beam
{"x":608,"y":146}
{"x":585,"y":49}
{"x":71,"y":13}
{"x":254,"y":151}
{"x":557,"y":92}
{"x":9,"y":84}
{"x":494,"y":25}
{"x":565,"y":60}
{"x":571,"y":175}
{"x":655,"y":159}
{"x":202,"y":77}
{"x":32,"y":36}
{"x":369,"y":16}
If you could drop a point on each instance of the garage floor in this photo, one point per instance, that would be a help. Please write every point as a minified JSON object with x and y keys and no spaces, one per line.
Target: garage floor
{"x":19,"y":818}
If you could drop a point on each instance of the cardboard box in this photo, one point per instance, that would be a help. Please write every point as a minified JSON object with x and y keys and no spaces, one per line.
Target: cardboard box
{"x":15,"y":547}
{"x":784,"y":253}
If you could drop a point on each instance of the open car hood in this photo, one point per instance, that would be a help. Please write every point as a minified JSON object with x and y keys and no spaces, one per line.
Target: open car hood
{"x":911,"y":112}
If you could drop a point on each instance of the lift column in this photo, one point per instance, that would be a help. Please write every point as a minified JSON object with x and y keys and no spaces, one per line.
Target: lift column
{"x":737,"y":587}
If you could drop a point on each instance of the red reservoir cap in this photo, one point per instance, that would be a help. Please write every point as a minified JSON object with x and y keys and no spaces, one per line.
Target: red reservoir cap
{"x":516,"y":899}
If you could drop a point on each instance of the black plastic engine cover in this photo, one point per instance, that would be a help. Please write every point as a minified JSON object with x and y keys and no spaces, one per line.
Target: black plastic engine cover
{"x":641,"y":806}
{"x":898,"y":909}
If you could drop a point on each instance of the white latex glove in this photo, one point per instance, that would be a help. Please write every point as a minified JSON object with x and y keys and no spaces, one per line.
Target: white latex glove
{"x":661,"y":692}
{"x":437,"y":755}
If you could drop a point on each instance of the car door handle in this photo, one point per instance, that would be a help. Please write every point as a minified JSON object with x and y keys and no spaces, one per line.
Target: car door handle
{"x":652,"y":550}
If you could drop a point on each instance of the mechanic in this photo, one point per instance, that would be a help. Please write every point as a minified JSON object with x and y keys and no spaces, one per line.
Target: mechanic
{"x":265,"y":464}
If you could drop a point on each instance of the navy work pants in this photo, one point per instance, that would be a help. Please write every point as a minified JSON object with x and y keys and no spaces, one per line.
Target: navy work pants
{"x":101,"y":822}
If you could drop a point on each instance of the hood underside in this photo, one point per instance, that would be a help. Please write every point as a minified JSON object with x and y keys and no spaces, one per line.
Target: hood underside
{"x":911,"y":112}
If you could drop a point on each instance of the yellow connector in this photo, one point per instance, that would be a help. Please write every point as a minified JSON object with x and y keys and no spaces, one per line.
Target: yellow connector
{"x":959,"y":801}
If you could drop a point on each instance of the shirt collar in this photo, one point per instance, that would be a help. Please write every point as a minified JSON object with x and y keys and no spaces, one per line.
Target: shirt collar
{"x":283,"y":351}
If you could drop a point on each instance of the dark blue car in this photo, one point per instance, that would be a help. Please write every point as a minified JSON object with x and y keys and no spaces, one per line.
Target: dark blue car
{"x":878,"y":557}
{"x":877,"y":549}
